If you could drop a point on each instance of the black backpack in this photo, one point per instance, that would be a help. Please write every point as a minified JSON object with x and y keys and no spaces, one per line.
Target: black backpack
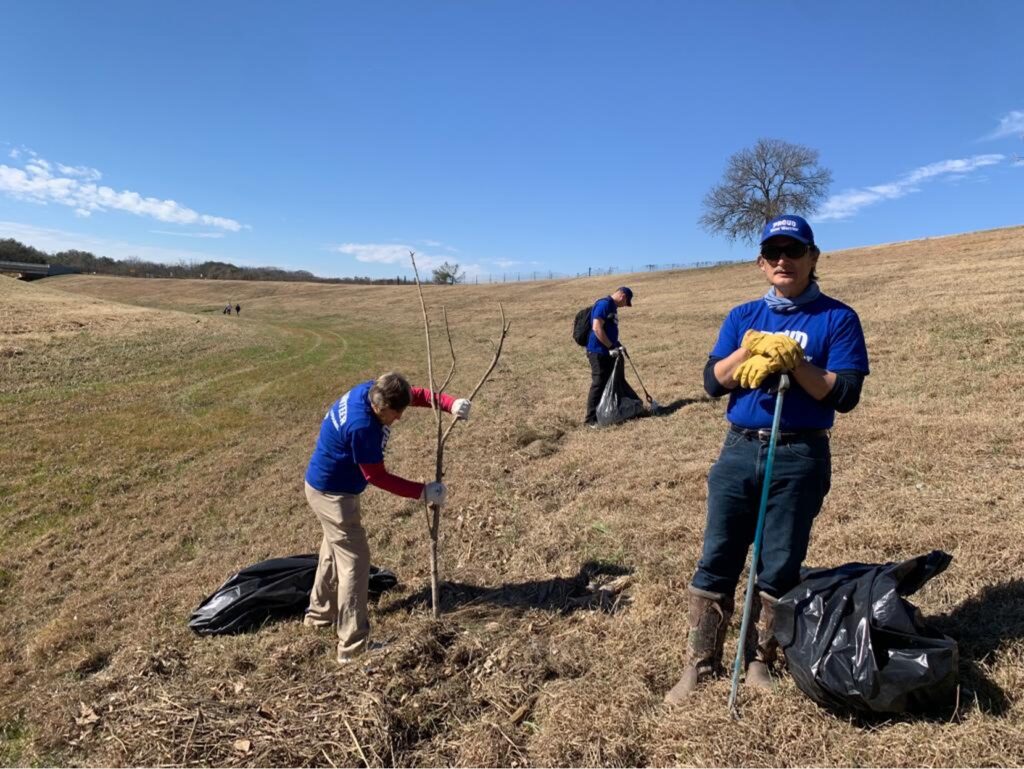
{"x":581,"y":326}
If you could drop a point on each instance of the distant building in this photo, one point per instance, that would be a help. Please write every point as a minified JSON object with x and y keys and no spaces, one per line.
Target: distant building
{"x":29,"y":271}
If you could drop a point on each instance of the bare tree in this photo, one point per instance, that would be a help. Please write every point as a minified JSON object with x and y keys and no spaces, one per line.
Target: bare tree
{"x":448,"y":274}
{"x":433,"y":511}
{"x":761,"y":182}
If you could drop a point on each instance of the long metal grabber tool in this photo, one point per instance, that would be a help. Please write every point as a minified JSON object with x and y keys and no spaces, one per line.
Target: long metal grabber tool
{"x":748,"y":602}
{"x":650,"y":401}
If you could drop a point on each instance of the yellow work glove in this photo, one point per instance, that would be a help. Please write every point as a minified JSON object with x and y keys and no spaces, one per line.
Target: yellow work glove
{"x":786,"y":353}
{"x":751,"y":372}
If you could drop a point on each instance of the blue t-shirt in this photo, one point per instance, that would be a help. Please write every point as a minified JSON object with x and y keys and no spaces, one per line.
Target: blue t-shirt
{"x":606,"y":310}
{"x":831,"y":337}
{"x":350,"y":435}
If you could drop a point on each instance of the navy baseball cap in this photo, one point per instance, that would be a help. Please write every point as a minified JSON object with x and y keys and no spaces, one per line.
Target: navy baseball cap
{"x":791,"y":226}
{"x":629,"y":295}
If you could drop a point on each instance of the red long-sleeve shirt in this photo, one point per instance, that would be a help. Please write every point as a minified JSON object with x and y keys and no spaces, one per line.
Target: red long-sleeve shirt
{"x":421,"y":396}
{"x":382,"y":479}
{"x":379,"y":476}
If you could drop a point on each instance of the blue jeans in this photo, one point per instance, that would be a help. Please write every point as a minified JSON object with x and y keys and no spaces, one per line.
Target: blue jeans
{"x":801,"y":477}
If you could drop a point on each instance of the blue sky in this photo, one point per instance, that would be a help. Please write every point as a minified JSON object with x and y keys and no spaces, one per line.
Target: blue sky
{"x":507,"y":136}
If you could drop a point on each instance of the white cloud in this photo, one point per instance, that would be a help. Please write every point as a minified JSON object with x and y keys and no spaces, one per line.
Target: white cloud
{"x":53,"y":240}
{"x":507,"y":262}
{"x":36,"y":183}
{"x":428,"y":243}
{"x":83,"y":171}
{"x":380,"y":253}
{"x":847,"y":203}
{"x":189,"y":234}
{"x":944,"y":167}
{"x":1010,"y":124}
{"x":38,"y":167}
{"x":391,"y":253}
{"x":398,"y":254}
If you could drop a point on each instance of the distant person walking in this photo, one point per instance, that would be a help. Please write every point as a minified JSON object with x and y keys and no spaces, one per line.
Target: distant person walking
{"x":603,"y":345}
{"x":349,"y":454}
{"x":238,"y":309}
{"x":818,"y":340}
{"x":226,"y":310}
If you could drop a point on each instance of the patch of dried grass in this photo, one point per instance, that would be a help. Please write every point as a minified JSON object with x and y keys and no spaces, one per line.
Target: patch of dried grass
{"x":516,"y":673}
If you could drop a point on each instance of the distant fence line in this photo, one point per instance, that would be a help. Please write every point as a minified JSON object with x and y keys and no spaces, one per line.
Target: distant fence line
{"x":520,"y":276}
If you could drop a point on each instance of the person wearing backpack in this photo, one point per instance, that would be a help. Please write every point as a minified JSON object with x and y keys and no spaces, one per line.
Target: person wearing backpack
{"x":603,"y":345}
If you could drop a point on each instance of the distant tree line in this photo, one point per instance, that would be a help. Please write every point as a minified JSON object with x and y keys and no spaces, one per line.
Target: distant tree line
{"x":14,"y":251}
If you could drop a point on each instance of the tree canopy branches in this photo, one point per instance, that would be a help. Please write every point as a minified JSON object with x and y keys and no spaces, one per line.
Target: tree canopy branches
{"x":761,"y":182}
{"x":448,"y":274}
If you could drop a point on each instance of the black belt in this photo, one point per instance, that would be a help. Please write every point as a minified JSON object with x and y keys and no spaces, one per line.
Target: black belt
{"x":765,"y":434}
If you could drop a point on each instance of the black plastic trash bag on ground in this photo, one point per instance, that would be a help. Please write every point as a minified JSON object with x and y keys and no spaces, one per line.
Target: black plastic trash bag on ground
{"x":619,"y":401}
{"x":853,"y":644}
{"x":267,"y":590}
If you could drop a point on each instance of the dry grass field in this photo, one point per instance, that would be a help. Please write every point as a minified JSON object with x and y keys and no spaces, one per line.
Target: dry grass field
{"x":153,"y":446}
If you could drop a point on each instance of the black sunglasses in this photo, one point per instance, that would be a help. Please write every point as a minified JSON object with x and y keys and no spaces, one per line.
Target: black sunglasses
{"x":791,"y":251}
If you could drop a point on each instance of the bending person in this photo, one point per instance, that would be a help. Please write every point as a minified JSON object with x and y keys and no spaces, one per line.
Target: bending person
{"x":603,"y":346}
{"x":349,"y":454}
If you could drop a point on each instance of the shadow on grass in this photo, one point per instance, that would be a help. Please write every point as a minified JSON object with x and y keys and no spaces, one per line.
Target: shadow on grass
{"x":668,"y":409}
{"x":589,"y":588}
{"x":982,"y":625}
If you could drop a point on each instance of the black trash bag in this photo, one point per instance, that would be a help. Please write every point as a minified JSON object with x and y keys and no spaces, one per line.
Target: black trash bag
{"x":853,"y":644}
{"x":268,"y":590}
{"x":619,"y":401}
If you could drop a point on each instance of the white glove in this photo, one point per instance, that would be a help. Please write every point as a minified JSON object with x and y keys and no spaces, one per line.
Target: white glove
{"x":434,"y":493}
{"x":460,"y":409}
{"x":618,"y":351}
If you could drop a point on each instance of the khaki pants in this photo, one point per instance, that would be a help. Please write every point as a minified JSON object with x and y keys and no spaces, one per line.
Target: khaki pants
{"x":343,"y":575}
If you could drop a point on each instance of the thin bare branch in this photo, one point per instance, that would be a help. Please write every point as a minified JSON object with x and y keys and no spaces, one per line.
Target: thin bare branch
{"x":433,"y":512}
{"x":451,"y":347}
{"x":426,"y":330}
{"x":494,"y":362}
{"x":359,"y":747}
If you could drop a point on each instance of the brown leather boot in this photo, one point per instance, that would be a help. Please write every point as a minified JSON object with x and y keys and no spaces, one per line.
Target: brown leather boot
{"x":709,"y":619}
{"x":760,"y":648}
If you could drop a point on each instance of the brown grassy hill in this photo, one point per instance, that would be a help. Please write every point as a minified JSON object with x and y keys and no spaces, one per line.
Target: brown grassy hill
{"x":153,"y":446}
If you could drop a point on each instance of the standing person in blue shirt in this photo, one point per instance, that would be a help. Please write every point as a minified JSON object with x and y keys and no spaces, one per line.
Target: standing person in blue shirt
{"x":603,"y":346}
{"x":818,"y":340}
{"x":349,"y":454}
